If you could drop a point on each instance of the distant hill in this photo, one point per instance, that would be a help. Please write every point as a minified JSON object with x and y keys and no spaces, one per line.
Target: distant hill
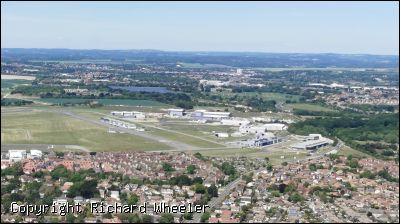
{"x":235,"y":59}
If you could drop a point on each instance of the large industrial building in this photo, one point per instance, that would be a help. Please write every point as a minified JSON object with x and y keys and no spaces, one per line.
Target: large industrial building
{"x":235,"y":121}
{"x":132,"y":114}
{"x":36,"y":154}
{"x":208,"y":115}
{"x":175,"y":112}
{"x":261,"y":140}
{"x":312,"y":142}
{"x":257,"y":129}
{"x":16,"y":155}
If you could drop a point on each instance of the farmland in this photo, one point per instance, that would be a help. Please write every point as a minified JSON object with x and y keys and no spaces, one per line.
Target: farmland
{"x":309,"y":107}
{"x":279,"y":97}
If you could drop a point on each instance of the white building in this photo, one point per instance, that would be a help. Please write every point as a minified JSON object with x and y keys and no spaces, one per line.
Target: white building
{"x":234,"y":122}
{"x":312,"y":142}
{"x":133,"y":114}
{"x":16,"y":155}
{"x":175,"y":112}
{"x":275,"y":127}
{"x":115,"y":194}
{"x":36,"y":154}
{"x":222,"y":135}
{"x":216,"y":83}
{"x":257,"y":129}
{"x":208,"y":115}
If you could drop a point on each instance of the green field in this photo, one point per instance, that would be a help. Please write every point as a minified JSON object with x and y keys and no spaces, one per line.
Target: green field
{"x":345,"y":151}
{"x":51,"y":128}
{"x":126,"y":102}
{"x":309,"y":107}
{"x":280,"y":97}
{"x":10,"y":83}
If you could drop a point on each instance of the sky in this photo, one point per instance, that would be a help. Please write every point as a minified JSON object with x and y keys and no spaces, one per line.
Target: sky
{"x":287,"y":27}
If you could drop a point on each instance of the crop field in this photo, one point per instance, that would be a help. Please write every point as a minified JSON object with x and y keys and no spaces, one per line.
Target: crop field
{"x":35,"y":127}
{"x":309,"y":107}
{"x":280,"y":97}
{"x":125,"y":102}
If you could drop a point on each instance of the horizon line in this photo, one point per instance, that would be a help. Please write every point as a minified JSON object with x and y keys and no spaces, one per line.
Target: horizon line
{"x":196,"y":51}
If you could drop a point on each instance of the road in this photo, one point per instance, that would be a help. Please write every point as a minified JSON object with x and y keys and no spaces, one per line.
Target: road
{"x":168,"y":130}
{"x":221,"y":197}
{"x":173,"y":144}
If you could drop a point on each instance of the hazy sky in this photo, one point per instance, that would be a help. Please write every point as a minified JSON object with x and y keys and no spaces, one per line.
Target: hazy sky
{"x":308,"y":27}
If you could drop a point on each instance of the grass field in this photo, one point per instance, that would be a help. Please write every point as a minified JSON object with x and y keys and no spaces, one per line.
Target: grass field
{"x":126,"y":102}
{"x":309,"y":107}
{"x":345,"y":151}
{"x":10,"y":83}
{"x":51,"y":128}
{"x":280,"y":97}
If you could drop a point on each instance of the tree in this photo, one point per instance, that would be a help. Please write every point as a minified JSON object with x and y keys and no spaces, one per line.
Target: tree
{"x":59,"y":171}
{"x":60,"y":154}
{"x":134,"y":218}
{"x":167,"y":167}
{"x":14,"y":170}
{"x":200,"y":188}
{"x":166,"y":218}
{"x":188,"y":216}
{"x":312,"y":167}
{"x":350,"y":157}
{"x":183,"y":180}
{"x":367,"y":174}
{"x":147,"y":219}
{"x":353,"y":163}
{"x":295,"y":197}
{"x":284,"y":164}
{"x":205,"y":216}
{"x":197,"y":180}
{"x":228,"y":168}
{"x":269,"y":167}
{"x":133,"y":200}
{"x":290,"y":188}
{"x":191,"y":168}
{"x":213,"y":191}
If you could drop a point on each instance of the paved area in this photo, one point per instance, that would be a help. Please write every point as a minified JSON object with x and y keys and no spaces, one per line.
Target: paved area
{"x":173,"y":144}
